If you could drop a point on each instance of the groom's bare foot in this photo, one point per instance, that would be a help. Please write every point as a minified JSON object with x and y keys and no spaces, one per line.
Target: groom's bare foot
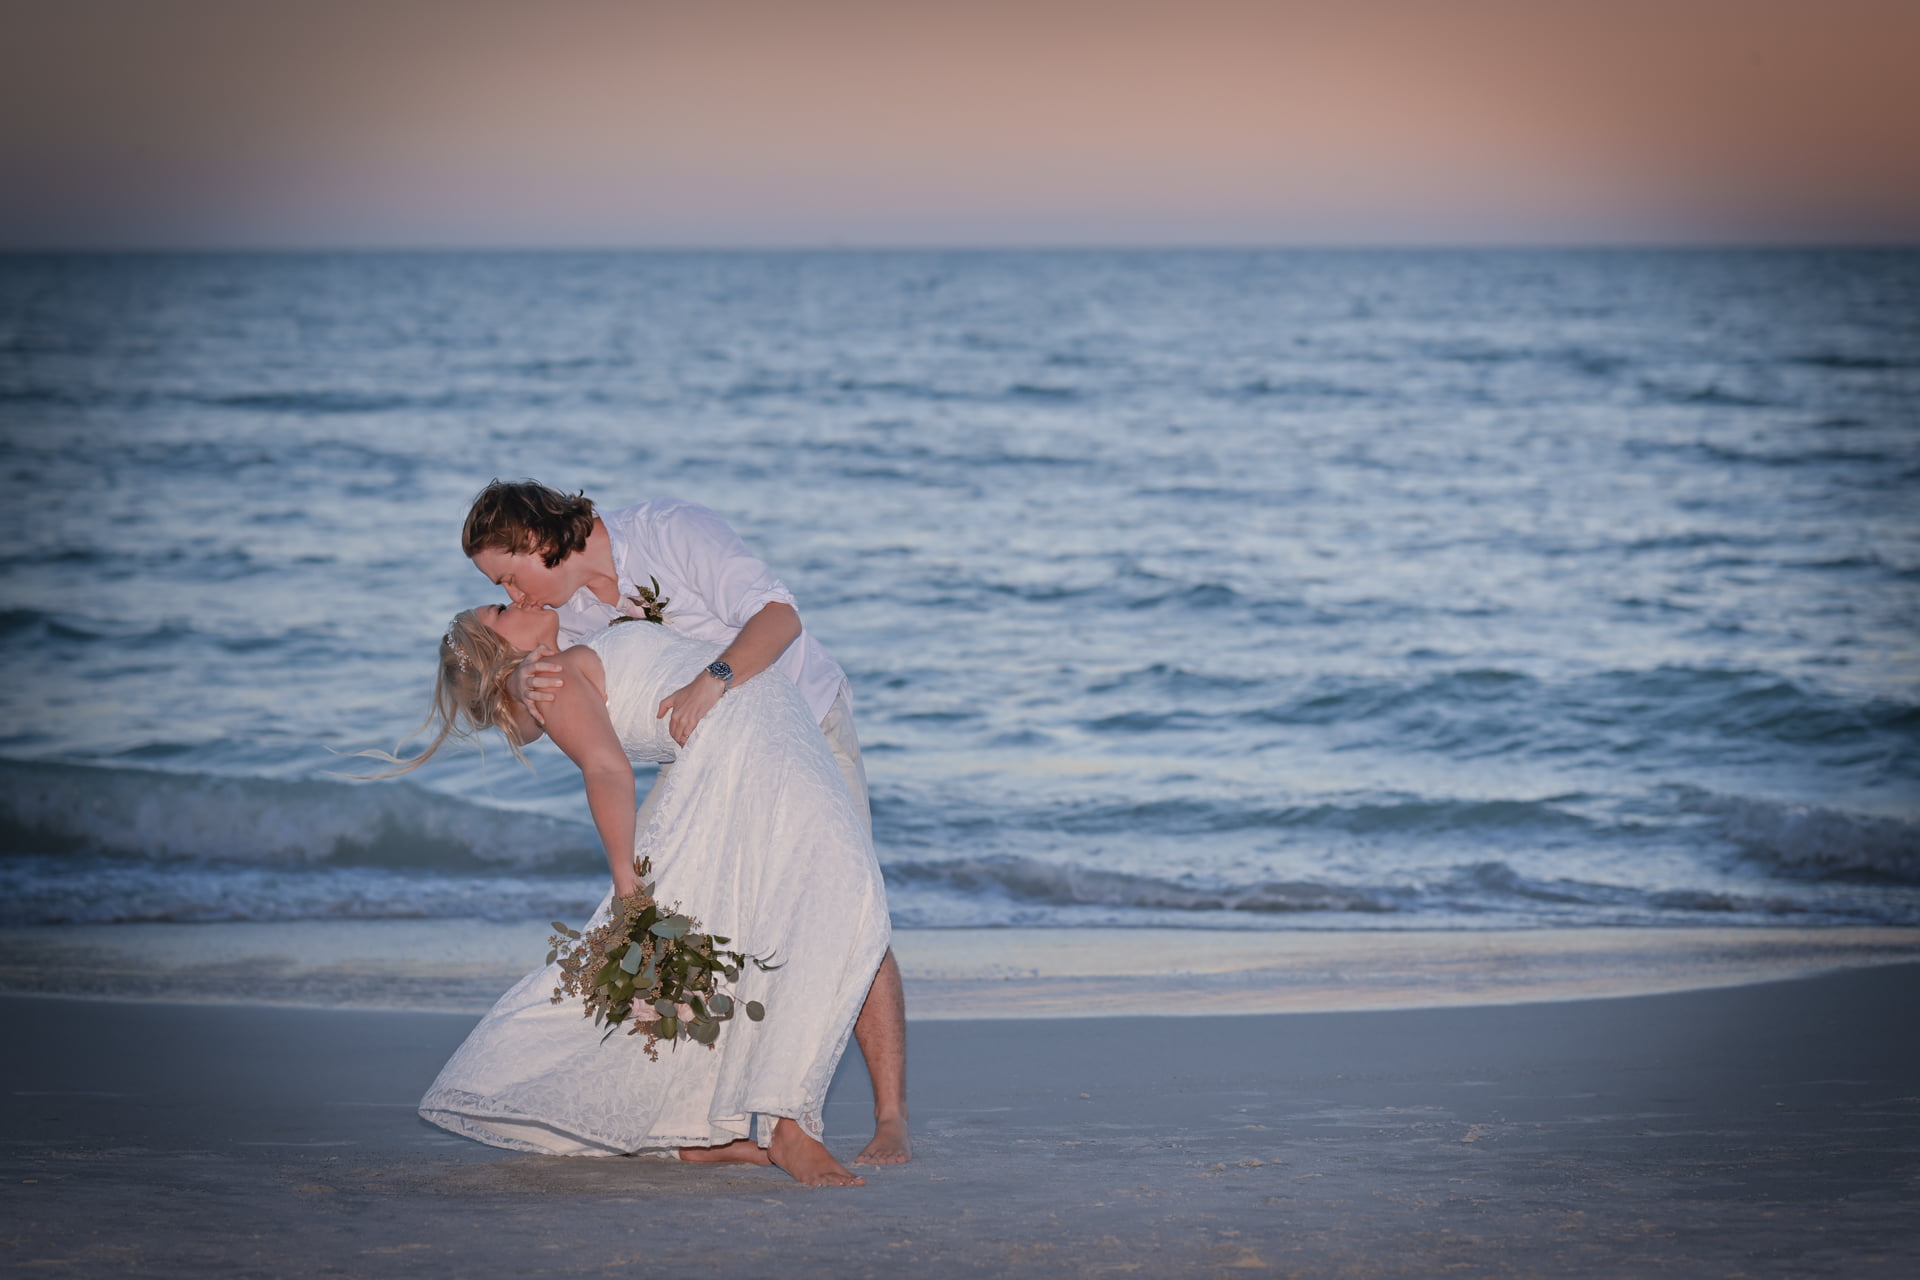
{"x":890,"y":1144}
{"x":739,"y":1151}
{"x":804,"y":1160}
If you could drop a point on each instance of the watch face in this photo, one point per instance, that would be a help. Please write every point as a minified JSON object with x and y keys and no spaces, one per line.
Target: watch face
{"x":721,"y":671}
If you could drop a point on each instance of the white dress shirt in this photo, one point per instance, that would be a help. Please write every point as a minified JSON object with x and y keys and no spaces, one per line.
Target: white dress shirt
{"x":712,"y":585}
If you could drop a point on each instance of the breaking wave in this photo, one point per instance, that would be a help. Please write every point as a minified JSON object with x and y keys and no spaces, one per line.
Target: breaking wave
{"x":137,"y":813}
{"x":1809,"y":842}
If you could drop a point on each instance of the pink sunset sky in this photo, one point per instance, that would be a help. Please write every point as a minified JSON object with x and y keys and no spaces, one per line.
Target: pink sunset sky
{"x":1044,"y":122}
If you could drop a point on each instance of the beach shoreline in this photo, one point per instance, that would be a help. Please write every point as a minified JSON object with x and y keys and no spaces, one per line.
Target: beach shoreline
{"x":1764,"y":1130}
{"x":461,"y":966}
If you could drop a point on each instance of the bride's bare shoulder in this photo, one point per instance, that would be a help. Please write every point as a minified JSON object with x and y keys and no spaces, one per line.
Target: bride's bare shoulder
{"x":582,"y":661}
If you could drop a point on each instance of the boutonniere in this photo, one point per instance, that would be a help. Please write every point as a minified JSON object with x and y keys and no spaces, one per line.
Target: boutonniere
{"x":646,"y":604}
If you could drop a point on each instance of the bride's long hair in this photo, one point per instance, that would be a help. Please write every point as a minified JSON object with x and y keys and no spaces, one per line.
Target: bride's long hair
{"x":469,"y":692}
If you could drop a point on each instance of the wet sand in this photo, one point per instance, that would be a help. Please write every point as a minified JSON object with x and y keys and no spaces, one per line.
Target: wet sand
{"x":461,"y":966}
{"x":1762,"y":1130}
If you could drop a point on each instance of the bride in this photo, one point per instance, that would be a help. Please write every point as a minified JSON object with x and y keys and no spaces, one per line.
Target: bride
{"x":754,"y":836}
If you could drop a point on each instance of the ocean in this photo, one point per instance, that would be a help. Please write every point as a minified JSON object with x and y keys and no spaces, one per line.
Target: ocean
{"x":1207,"y":591}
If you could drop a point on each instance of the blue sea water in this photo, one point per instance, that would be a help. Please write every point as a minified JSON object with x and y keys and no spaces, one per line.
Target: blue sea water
{"x":1221,"y":590}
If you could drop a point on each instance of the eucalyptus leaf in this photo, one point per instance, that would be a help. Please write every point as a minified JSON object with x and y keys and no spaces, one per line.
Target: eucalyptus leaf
{"x":631,"y":960}
{"x":756,"y":1010}
{"x":552,"y":956}
{"x":720,"y":1004}
{"x":668,"y":1028}
{"x":665,"y":1008}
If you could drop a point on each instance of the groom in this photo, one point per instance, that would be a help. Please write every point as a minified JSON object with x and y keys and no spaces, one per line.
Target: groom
{"x":555,"y":551}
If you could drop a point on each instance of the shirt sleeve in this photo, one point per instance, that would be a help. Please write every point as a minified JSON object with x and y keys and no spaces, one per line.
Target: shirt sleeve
{"x":708,"y":554}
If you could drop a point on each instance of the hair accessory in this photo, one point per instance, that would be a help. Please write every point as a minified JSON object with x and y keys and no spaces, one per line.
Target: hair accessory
{"x":466,"y":664}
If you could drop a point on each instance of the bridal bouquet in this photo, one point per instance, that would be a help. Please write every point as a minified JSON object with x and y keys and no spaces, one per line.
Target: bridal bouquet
{"x":653,"y":968}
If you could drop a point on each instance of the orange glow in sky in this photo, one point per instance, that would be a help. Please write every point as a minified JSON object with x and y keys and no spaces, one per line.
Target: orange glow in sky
{"x":775,"y":122}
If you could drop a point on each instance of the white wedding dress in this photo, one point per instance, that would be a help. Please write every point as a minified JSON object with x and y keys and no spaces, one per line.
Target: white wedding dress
{"x":756,"y":838}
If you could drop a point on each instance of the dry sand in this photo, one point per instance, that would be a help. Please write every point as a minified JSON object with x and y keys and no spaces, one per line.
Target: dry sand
{"x":1763,"y":1130}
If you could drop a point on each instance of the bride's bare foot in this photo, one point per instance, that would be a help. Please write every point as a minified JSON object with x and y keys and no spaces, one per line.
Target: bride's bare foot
{"x":739,"y":1151}
{"x":890,"y":1144}
{"x":806,"y":1161}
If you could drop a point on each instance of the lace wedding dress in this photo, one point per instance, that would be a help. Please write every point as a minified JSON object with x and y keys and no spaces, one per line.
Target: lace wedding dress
{"x":755,"y":837}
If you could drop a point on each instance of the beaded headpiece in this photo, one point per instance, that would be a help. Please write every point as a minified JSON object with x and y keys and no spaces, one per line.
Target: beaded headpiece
{"x":466,"y":663}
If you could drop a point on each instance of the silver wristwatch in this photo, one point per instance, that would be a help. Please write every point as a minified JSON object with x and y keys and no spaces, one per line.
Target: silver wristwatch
{"x":721,"y":672}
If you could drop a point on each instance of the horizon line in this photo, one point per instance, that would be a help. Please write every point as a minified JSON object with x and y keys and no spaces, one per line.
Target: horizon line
{"x":1385,"y":246}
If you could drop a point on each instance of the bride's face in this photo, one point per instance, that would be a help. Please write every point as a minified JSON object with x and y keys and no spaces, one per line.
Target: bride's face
{"x":524,"y":629}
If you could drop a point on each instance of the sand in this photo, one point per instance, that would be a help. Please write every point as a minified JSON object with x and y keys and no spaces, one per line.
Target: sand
{"x":1760,"y":1130}
{"x":461,"y":966}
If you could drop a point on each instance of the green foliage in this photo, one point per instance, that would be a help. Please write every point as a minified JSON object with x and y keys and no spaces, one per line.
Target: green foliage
{"x":648,"y":606}
{"x":652,"y":968}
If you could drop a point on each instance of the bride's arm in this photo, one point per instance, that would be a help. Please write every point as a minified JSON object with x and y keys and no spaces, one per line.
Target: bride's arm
{"x":578,"y":724}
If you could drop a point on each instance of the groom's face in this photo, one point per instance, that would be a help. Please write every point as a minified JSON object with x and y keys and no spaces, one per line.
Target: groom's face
{"x":526,"y":578}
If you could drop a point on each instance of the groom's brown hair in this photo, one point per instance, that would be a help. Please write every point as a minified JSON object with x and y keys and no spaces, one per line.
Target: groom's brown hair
{"x":524,"y":516}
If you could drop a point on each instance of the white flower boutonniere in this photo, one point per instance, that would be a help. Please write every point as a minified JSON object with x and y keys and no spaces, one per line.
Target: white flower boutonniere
{"x":644,"y":604}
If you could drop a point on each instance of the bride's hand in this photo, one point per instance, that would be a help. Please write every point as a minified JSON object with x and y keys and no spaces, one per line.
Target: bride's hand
{"x":533,"y":680}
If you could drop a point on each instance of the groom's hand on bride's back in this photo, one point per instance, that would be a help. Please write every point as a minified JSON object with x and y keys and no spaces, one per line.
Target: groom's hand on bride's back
{"x":689,"y":706}
{"x":534,"y":681}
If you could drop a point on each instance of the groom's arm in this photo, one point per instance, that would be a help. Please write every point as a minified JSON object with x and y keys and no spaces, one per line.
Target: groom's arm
{"x":759,"y":645}
{"x":740,"y":590}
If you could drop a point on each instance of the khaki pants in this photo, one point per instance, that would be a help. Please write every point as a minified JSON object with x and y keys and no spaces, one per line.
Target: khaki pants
{"x":838,"y":726}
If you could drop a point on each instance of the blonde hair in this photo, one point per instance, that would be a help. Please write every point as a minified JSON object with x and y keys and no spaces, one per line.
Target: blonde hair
{"x":469,"y":692}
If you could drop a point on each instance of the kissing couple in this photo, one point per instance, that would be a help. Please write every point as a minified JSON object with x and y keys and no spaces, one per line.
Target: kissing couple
{"x":758,"y":824}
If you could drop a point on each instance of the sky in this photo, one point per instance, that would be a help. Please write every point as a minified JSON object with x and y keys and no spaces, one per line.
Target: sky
{"x":426,"y":123}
